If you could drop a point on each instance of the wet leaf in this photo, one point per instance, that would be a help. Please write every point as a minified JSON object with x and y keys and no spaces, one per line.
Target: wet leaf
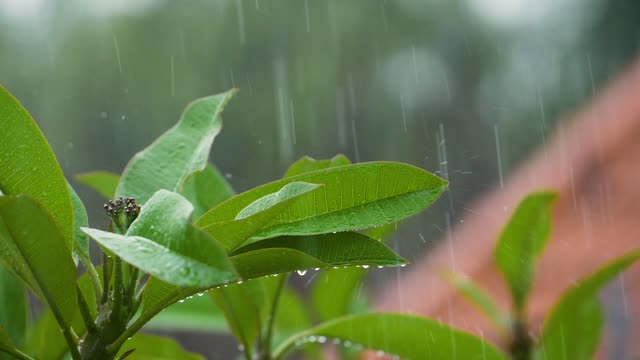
{"x":308,"y":164}
{"x":181,"y":151}
{"x":153,"y":347}
{"x":80,"y":219}
{"x":29,"y":167}
{"x":353,"y":197}
{"x":409,"y":337}
{"x":574,"y":325}
{"x":104,"y":182}
{"x":34,"y":249}
{"x":522,"y":241}
{"x":206,"y":189}
{"x":197,"y":313}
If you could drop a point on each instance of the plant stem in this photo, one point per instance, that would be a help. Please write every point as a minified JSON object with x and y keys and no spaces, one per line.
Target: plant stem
{"x":93,"y":275}
{"x":118,"y":287}
{"x":17,"y":354}
{"x":521,"y":344}
{"x":266,"y":343}
{"x":85,"y":312}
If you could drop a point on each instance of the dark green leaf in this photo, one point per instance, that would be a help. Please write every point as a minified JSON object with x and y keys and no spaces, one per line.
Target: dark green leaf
{"x":178,"y":153}
{"x":522,"y":241}
{"x":406,"y":336}
{"x":104,"y":182}
{"x":163,"y":243}
{"x":354,"y":197}
{"x":308,"y":164}
{"x":33,"y":248}
{"x":231,"y":234}
{"x":206,"y":189}
{"x":152,"y":347}
{"x":573,"y":327}
{"x":80,"y":219}
{"x":29,"y":167}
{"x":13,"y":311}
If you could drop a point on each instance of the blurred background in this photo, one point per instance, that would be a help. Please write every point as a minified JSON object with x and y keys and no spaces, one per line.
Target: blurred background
{"x":465,"y":88}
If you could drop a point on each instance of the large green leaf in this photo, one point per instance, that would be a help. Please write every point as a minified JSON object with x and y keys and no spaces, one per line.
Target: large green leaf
{"x":354,"y":197}
{"x":80,"y":219}
{"x":178,"y":153}
{"x":406,"y":336}
{"x":291,"y":253}
{"x":34,"y":249}
{"x":522,"y":241}
{"x":308,"y":164}
{"x":152,"y":347}
{"x":572,"y":329}
{"x":206,"y":189}
{"x":231,"y":234}
{"x":29,"y":167}
{"x":13,"y":311}
{"x":197,"y":313}
{"x":163,"y":243}
{"x":104,"y":182}
{"x":478,"y":297}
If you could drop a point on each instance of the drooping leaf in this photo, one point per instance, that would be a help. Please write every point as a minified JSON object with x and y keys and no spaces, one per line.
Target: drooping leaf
{"x":104,"y":182}
{"x":34,"y":249}
{"x":252,"y":218}
{"x":409,"y":337}
{"x":29,"y":167}
{"x":13,"y":312}
{"x":80,"y":219}
{"x":308,"y":164}
{"x":197,"y":313}
{"x":574,"y":325}
{"x":178,"y":153}
{"x":354,"y":197}
{"x":205,"y":189}
{"x":163,"y":243}
{"x":522,"y":241}
{"x":480,"y":299}
{"x":153,"y":347}
{"x":291,"y":253}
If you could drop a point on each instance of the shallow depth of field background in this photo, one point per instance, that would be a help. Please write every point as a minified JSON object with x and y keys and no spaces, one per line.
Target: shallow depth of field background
{"x":466,"y":88}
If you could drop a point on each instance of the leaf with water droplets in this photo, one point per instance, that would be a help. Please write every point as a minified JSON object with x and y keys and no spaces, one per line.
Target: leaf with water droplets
{"x":308,"y":164}
{"x":410,"y":337}
{"x":104,"y":182}
{"x":353,"y":197}
{"x":29,"y":167}
{"x":181,"y":151}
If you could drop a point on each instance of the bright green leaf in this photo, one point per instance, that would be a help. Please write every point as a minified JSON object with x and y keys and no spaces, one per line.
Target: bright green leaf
{"x":163,"y":243}
{"x":178,"y":153}
{"x":479,"y":298}
{"x":252,"y":218}
{"x":522,"y":241}
{"x":409,"y":337}
{"x":308,"y":164}
{"x":29,"y":167}
{"x":13,"y":311}
{"x":197,"y":313}
{"x":206,"y":189}
{"x":33,"y":248}
{"x":354,"y":197}
{"x":80,"y":219}
{"x":572,"y":329}
{"x":153,"y":347}
{"x":104,"y":182}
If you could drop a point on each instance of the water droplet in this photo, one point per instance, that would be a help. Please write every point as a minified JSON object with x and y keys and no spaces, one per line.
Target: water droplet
{"x":380,"y":266}
{"x":301,"y":272}
{"x":201,"y":294}
{"x":403,"y":265}
{"x":181,"y":301}
{"x":365,"y":266}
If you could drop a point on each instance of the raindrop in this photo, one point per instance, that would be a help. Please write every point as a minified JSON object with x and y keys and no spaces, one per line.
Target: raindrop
{"x":365,"y":266}
{"x":301,"y":272}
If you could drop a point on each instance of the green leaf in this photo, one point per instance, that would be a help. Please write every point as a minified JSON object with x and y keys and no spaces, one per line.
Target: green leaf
{"x":178,"y":153}
{"x":29,"y":167}
{"x":308,"y":164}
{"x":291,"y":317}
{"x":291,"y":253}
{"x":206,"y":189}
{"x":104,"y":182}
{"x":13,"y":312}
{"x":197,"y":313}
{"x":522,"y":241}
{"x":80,"y":219}
{"x":406,"y":336}
{"x":479,"y":298}
{"x":572,"y":329}
{"x":163,"y":243}
{"x":33,"y":248}
{"x":231,"y":234}
{"x":5,"y":344}
{"x":152,"y":347}
{"x":354,"y":197}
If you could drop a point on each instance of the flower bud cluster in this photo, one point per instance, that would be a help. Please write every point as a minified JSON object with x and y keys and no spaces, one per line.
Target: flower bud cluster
{"x":122,"y":211}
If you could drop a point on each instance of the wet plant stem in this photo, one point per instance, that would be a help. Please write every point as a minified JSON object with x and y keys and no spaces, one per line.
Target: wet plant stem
{"x":521,"y":344}
{"x":85,"y":312}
